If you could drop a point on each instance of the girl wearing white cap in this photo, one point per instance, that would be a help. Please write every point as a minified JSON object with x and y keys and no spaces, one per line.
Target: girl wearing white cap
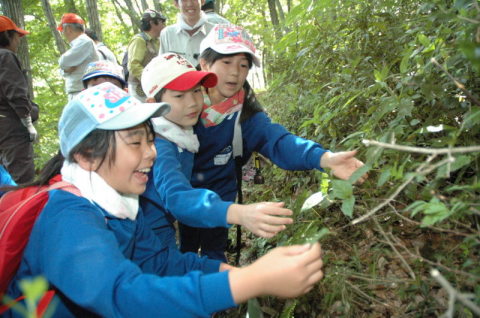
{"x":92,"y":245}
{"x":169,"y":196}
{"x":229,"y":52}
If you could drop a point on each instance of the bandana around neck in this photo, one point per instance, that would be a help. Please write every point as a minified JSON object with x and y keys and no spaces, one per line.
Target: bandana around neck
{"x":183,"y":138}
{"x":213,"y":115}
{"x":186,"y":27}
{"x":95,"y":189}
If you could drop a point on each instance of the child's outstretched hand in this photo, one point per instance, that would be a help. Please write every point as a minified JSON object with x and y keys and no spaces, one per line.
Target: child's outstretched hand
{"x":343,"y":164}
{"x":288,"y":271}
{"x":264,"y":219}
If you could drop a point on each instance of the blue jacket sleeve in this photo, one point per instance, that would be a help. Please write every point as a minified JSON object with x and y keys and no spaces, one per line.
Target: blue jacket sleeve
{"x":191,"y":206}
{"x":286,"y":150}
{"x":79,"y":254}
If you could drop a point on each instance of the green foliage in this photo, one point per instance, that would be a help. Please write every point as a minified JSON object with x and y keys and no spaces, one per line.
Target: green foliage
{"x":33,"y":290}
{"x":354,"y":70}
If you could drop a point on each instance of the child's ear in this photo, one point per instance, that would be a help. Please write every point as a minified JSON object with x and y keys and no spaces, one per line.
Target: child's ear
{"x":86,"y":163}
{"x":150,"y":100}
{"x":203,"y":65}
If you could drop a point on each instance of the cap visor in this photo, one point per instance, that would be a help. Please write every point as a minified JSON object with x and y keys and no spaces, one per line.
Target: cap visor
{"x":191,"y":79}
{"x":227,"y":49}
{"x":22,"y":32}
{"x":136,"y":115}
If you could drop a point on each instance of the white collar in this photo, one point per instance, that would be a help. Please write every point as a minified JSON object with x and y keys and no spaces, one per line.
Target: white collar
{"x":184,"y":26}
{"x":96,"y":189}
{"x":183,"y":138}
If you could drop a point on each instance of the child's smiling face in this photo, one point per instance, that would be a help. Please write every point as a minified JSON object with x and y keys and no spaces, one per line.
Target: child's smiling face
{"x":232,"y":72}
{"x":134,"y":156}
{"x":186,"y":106}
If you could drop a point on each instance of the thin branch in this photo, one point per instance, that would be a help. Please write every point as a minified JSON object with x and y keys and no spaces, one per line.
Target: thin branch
{"x":402,"y":259}
{"x":457,"y":83}
{"x":453,"y":294}
{"x":366,"y":295}
{"x":420,"y":171}
{"x":437,"y":151}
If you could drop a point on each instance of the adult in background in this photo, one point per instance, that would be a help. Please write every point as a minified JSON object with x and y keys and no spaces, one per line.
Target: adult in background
{"x":17,"y":111}
{"x":82,"y":51}
{"x":212,"y":16}
{"x":104,"y":53}
{"x":185,"y":36}
{"x":143,"y":47}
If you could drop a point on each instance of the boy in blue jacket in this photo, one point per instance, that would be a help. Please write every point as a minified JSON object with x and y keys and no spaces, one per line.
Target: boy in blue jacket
{"x":95,"y":249}
{"x":169,"y":195}
{"x":229,"y":52}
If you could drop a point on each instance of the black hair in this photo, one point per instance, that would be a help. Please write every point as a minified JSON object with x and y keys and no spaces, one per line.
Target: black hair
{"x":85,"y":82}
{"x":159,"y":95}
{"x":208,"y":6}
{"x":98,"y":144}
{"x":91,"y":34}
{"x":153,"y":16}
{"x":211,"y":56}
{"x":251,"y":106}
{"x":5,"y":37}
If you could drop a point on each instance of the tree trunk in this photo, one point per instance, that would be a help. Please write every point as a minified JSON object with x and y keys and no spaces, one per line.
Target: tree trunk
{"x":14,"y":10}
{"x":93,"y":19}
{"x":274,"y":18}
{"x":131,"y":13}
{"x":70,"y":6}
{"x":128,"y":28}
{"x":53,"y":26}
{"x":280,"y":11}
{"x":145,"y":5}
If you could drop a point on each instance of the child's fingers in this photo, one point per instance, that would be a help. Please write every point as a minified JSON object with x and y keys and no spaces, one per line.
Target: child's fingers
{"x":276,"y":208}
{"x":311,"y":255}
{"x":276,"y":220}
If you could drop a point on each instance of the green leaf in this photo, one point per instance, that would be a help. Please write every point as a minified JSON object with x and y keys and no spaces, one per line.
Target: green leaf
{"x":288,"y":309}
{"x":341,"y":189}
{"x":384,"y":176}
{"x":358,"y":173}
{"x":254,"y":310}
{"x":347,"y":206}
{"x":317,"y":236}
{"x":459,"y":162}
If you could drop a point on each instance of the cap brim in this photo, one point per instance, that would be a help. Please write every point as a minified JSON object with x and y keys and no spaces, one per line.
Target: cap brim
{"x":135,"y":116}
{"x":228,"y":48}
{"x":191,"y":79}
{"x":22,"y":32}
{"x":100,"y":73}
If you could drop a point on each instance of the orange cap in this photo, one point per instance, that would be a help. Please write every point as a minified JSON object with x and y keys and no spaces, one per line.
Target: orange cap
{"x":7,"y":24}
{"x":69,"y":18}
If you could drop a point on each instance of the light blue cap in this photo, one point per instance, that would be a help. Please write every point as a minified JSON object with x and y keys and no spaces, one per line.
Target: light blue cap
{"x":104,"y":106}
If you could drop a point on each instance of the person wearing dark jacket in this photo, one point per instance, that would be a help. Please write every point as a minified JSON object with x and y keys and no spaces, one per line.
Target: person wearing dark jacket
{"x":17,"y":110}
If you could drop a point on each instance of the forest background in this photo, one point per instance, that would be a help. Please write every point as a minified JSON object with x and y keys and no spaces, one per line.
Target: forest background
{"x":396,"y":79}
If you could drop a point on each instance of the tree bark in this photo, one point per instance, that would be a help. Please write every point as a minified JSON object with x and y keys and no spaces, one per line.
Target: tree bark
{"x":14,"y":10}
{"x":131,"y":13}
{"x":93,"y":19}
{"x":145,"y":5}
{"x":280,"y":11}
{"x":70,"y":6}
{"x":274,"y":18}
{"x":53,"y":26}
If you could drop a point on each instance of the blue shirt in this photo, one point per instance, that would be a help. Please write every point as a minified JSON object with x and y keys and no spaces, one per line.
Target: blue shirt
{"x":112,"y":267}
{"x":169,"y":195}
{"x":214,"y":165}
{"x":5,"y":179}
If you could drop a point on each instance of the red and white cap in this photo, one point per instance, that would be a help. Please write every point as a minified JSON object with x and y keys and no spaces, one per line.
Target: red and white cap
{"x":230,"y":39}
{"x":172,"y":71}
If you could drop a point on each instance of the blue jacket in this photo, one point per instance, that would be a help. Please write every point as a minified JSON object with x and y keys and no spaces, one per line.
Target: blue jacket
{"x":5,"y":179}
{"x":214,"y":165}
{"x":110,"y":267}
{"x":169,"y":195}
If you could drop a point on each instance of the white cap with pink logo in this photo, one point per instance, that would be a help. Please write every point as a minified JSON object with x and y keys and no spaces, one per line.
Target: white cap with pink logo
{"x":230,"y":39}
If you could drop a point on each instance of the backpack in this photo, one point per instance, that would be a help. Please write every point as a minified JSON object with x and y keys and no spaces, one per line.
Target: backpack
{"x":125,"y":57}
{"x":18,"y":211}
